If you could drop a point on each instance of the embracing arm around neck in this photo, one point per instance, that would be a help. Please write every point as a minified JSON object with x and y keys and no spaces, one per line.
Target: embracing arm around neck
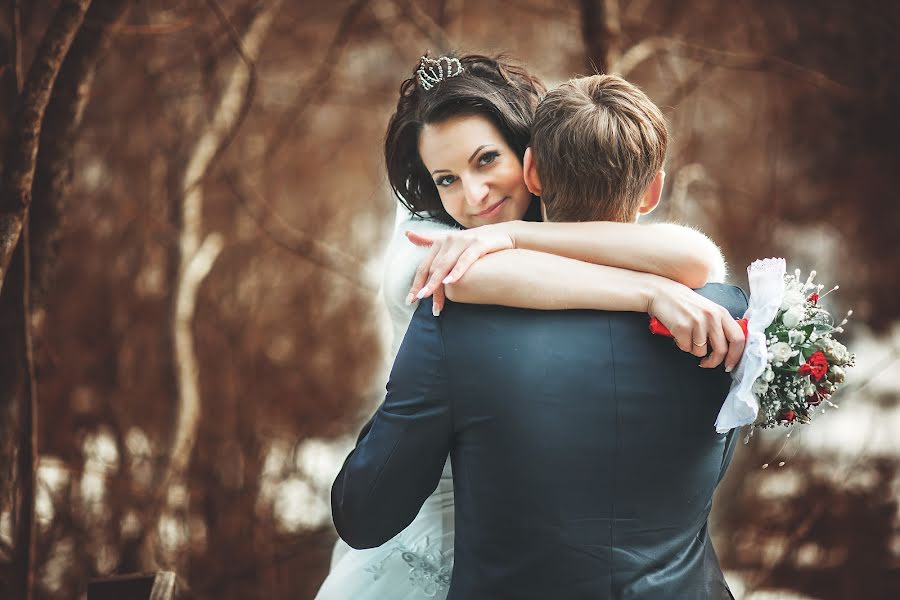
{"x":529,"y":279}
{"x":672,"y":251}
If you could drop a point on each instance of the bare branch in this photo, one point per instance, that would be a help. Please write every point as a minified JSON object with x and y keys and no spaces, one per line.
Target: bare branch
{"x":21,"y":153}
{"x":188,"y":370}
{"x":247,"y":55}
{"x":684,"y":178}
{"x":300,"y":242}
{"x":317,"y":82}
{"x":425,"y":24}
{"x":155,"y":29}
{"x":642,"y":51}
{"x":687,"y":86}
{"x":16,"y":55}
{"x":652,"y":46}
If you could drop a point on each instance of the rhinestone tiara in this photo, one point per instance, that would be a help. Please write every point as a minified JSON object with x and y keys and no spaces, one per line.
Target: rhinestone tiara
{"x":431,"y":72}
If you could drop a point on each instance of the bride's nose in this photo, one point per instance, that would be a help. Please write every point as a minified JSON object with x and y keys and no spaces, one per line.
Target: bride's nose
{"x":476,"y":191}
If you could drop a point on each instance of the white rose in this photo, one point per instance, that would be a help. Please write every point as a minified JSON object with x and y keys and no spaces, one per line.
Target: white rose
{"x":836,"y":352}
{"x":793,"y":297}
{"x":759,"y":388}
{"x":797,"y":336}
{"x":792,"y":317}
{"x":769,"y":374}
{"x":780,"y":351}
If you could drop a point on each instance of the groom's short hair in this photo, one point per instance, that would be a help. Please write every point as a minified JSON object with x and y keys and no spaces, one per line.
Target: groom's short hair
{"x":597,"y":142}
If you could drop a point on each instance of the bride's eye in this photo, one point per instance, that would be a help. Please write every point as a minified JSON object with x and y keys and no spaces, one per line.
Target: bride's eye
{"x":488,"y":157}
{"x":444,"y":180}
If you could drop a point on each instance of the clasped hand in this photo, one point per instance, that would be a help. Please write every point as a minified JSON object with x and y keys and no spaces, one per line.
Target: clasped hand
{"x":700,"y":326}
{"x":450,"y":256}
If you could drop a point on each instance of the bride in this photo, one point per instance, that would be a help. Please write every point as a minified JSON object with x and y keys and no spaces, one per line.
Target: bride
{"x":453,"y":152}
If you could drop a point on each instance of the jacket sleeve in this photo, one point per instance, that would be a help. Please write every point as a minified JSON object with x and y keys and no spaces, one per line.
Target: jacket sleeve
{"x":731,"y":297}
{"x":401,"y":451}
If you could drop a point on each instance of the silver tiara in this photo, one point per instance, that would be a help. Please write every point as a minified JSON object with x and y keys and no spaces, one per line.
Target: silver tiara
{"x":432,"y":72}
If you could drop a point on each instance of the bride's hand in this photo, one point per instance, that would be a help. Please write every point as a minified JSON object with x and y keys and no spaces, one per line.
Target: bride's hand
{"x":450,"y":257}
{"x":699,"y":325}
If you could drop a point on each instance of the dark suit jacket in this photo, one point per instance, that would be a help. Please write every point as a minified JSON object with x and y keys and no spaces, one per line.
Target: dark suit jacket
{"x":583,"y":450}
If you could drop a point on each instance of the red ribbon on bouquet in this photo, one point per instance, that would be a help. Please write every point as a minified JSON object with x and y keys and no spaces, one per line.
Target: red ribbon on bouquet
{"x":657,"y":328}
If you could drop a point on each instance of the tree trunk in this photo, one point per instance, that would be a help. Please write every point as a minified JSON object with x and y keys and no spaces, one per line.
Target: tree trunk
{"x":22,"y":146}
{"x":53,"y":174}
{"x":601,"y":34}
{"x":18,"y":430}
{"x":18,"y":444}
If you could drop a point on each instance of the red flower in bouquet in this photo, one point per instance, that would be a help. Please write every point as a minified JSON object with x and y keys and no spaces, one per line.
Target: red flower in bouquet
{"x":815,"y":366}
{"x":789,"y":416}
{"x":814,"y":298}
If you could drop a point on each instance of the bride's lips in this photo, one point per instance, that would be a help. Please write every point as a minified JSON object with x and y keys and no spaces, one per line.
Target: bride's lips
{"x":493,"y":209}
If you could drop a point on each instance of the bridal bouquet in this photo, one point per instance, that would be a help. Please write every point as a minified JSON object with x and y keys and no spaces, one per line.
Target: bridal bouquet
{"x":792,"y":363}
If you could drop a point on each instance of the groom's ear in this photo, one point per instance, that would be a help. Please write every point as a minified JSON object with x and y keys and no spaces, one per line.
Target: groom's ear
{"x":532,"y":182}
{"x":653,"y":194}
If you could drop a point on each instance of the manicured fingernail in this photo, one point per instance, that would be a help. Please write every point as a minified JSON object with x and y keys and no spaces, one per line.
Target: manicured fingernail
{"x":435,"y":310}
{"x":422,"y":292}
{"x":728,"y":369}
{"x":410,"y":298}
{"x":448,"y":279}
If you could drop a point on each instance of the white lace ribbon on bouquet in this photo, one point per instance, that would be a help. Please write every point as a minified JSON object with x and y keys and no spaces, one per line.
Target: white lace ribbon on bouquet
{"x":741,"y":406}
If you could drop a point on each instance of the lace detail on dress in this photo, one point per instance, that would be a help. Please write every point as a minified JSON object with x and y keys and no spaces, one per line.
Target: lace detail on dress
{"x":430,"y":567}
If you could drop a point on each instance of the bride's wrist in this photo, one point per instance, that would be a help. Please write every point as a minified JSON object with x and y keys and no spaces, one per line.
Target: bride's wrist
{"x":516,"y":230}
{"x":653,"y":291}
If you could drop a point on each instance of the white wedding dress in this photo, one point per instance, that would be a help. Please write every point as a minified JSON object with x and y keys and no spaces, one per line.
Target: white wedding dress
{"x":417,"y":563}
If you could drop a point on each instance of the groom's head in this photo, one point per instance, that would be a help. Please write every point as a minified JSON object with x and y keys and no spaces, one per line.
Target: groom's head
{"x":597,"y":149}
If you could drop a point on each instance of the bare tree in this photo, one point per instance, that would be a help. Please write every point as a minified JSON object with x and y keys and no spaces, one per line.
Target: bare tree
{"x":17,"y":384}
{"x":22,"y":147}
{"x":196,"y":253}
{"x":62,"y":122}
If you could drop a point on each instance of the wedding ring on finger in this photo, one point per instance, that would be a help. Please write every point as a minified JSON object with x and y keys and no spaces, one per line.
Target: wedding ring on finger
{"x":698,"y":345}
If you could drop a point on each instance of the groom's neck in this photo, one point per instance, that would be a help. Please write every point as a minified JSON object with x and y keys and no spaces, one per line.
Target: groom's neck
{"x":562,"y":218}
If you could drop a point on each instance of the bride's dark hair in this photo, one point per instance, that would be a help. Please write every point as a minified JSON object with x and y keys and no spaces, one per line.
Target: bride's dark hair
{"x":492,"y":87}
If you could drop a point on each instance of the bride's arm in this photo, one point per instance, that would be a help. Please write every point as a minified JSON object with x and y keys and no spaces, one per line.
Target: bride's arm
{"x":529,"y":279}
{"x":672,"y":251}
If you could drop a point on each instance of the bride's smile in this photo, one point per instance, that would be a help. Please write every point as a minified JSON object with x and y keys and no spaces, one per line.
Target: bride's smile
{"x":478,"y":176}
{"x":492,"y":209}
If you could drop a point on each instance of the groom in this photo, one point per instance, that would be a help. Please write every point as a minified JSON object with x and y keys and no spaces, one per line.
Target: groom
{"x":583,"y":448}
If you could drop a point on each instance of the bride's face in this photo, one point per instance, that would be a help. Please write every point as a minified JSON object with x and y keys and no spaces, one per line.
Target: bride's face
{"x":478,"y":176}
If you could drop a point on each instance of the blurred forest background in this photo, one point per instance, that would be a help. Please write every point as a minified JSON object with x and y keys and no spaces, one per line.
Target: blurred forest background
{"x":190,"y":332}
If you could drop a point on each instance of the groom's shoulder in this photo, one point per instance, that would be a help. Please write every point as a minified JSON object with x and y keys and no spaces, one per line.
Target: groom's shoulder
{"x":730,"y":296}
